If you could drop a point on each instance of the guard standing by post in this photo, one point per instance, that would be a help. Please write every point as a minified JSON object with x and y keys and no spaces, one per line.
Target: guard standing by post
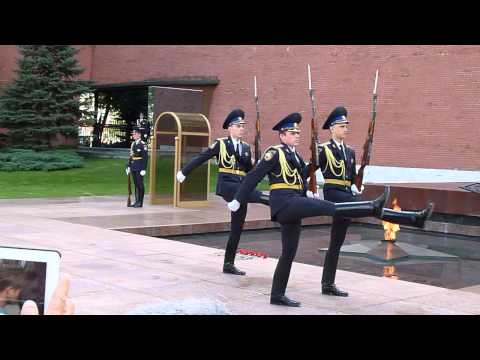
{"x":234,"y":159}
{"x":289,"y":204}
{"x":145,"y":128}
{"x":338,"y":166}
{"x":137,"y":164}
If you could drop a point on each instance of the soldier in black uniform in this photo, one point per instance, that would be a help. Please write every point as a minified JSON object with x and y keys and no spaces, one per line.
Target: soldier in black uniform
{"x":289,"y":204}
{"x":137,"y":164}
{"x":338,"y":166}
{"x":144,"y":126}
{"x":234,"y":160}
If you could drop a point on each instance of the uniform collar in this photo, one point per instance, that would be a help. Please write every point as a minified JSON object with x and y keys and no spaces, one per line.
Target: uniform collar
{"x":286,"y":147}
{"x":338,"y":143}
{"x":235,"y":141}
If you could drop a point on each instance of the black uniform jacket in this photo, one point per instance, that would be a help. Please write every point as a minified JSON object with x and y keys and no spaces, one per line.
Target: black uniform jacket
{"x":138,"y":156}
{"x":280,"y":190}
{"x":336,"y":170}
{"x":231,"y":167}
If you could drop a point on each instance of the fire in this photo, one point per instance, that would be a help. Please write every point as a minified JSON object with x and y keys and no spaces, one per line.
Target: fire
{"x":389,"y":271}
{"x":391,"y":229}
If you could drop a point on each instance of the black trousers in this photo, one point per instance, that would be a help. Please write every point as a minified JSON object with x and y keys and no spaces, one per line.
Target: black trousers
{"x":139,"y":187}
{"x":237,"y":220}
{"x":290,"y":219}
{"x":337,"y":233}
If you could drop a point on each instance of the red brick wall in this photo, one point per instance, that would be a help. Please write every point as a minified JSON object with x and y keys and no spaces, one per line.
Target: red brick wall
{"x":8,"y":55}
{"x":428,"y":105}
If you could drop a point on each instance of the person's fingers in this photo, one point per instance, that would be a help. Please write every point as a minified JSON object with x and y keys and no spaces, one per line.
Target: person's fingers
{"x":59,"y":297}
{"x":63,"y":286}
{"x":29,"y":308}
{"x":69,"y":307}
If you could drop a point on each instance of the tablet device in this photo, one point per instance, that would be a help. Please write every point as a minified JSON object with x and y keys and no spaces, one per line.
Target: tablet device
{"x":27,"y":274}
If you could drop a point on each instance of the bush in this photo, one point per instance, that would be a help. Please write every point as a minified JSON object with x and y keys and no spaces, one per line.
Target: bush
{"x":29,"y":160}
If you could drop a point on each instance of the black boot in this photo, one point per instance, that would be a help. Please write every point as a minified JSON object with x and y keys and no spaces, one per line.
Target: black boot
{"x":283,"y":300}
{"x":332,"y":290}
{"x":363,"y":208}
{"x":140,"y":198}
{"x":229,"y":268}
{"x":412,"y":218}
{"x":136,"y":200}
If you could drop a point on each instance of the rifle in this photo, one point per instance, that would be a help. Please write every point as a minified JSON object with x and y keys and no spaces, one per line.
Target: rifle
{"x":258,"y":151}
{"x":312,"y":186}
{"x":129,"y":202}
{"x":367,"y":147}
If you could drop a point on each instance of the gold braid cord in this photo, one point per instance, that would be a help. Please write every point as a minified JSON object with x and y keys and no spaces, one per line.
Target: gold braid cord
{"x":227,"y":161}
{"x":333,"y":163}
{"x":286,"y":171}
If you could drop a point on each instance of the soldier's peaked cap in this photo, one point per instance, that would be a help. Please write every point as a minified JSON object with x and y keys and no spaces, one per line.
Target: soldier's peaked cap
{"x":337,"y":116}
{"x":237,"y":116}
{"x":290,"y":123}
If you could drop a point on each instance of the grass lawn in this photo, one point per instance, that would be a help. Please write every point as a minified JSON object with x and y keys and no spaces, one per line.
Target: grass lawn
{"x":98,"y":177}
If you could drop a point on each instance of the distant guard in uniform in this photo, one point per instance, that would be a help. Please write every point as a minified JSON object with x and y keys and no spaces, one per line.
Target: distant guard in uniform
{"x":289,"y":204}
{"x":338,"y":166}
{"x":145,"y":128}
{"x":234,"y":159}
{"x":137,"y":164}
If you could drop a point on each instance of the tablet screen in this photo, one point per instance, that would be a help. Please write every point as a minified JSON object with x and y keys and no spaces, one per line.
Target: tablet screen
{"x":21,"y":280}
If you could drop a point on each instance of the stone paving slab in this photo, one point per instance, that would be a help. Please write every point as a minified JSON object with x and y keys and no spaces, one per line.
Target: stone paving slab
{"x":116,"y":272}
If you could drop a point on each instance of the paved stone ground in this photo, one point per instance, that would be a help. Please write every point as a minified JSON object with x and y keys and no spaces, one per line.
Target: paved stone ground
{"x":116,"y":272}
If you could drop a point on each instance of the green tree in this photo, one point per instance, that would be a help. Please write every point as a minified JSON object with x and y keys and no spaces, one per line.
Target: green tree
{"x":128,"y":104}
{"x":41,"y":107}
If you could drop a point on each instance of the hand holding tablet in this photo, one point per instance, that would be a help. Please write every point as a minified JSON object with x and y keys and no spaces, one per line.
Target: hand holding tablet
{"x":30,"y":274}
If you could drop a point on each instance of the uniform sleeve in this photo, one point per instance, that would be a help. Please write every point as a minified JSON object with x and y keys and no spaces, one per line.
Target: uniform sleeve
{"x":267,"y":164}
{"x":144,"y":156}
{"x":321,"y":157}
{"x":198,"y":160}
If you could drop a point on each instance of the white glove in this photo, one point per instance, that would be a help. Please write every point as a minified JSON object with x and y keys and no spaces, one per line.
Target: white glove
{"x":143,"y":172}
{"x":233,"y":205}
{"x":180,"y":177}
{"x":312,"y":195}
{"x":127,"y":170}
{"x":355,"y":189}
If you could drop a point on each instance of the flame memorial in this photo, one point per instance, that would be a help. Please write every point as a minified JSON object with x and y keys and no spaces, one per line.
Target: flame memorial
{"x":388,"y":251}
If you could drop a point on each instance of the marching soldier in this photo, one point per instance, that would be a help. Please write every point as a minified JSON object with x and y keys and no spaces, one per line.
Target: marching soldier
{"x":137,"y":164}
{"x":289,"y":204}
{"x":338,"y":166}
{"x":234,"y":160}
